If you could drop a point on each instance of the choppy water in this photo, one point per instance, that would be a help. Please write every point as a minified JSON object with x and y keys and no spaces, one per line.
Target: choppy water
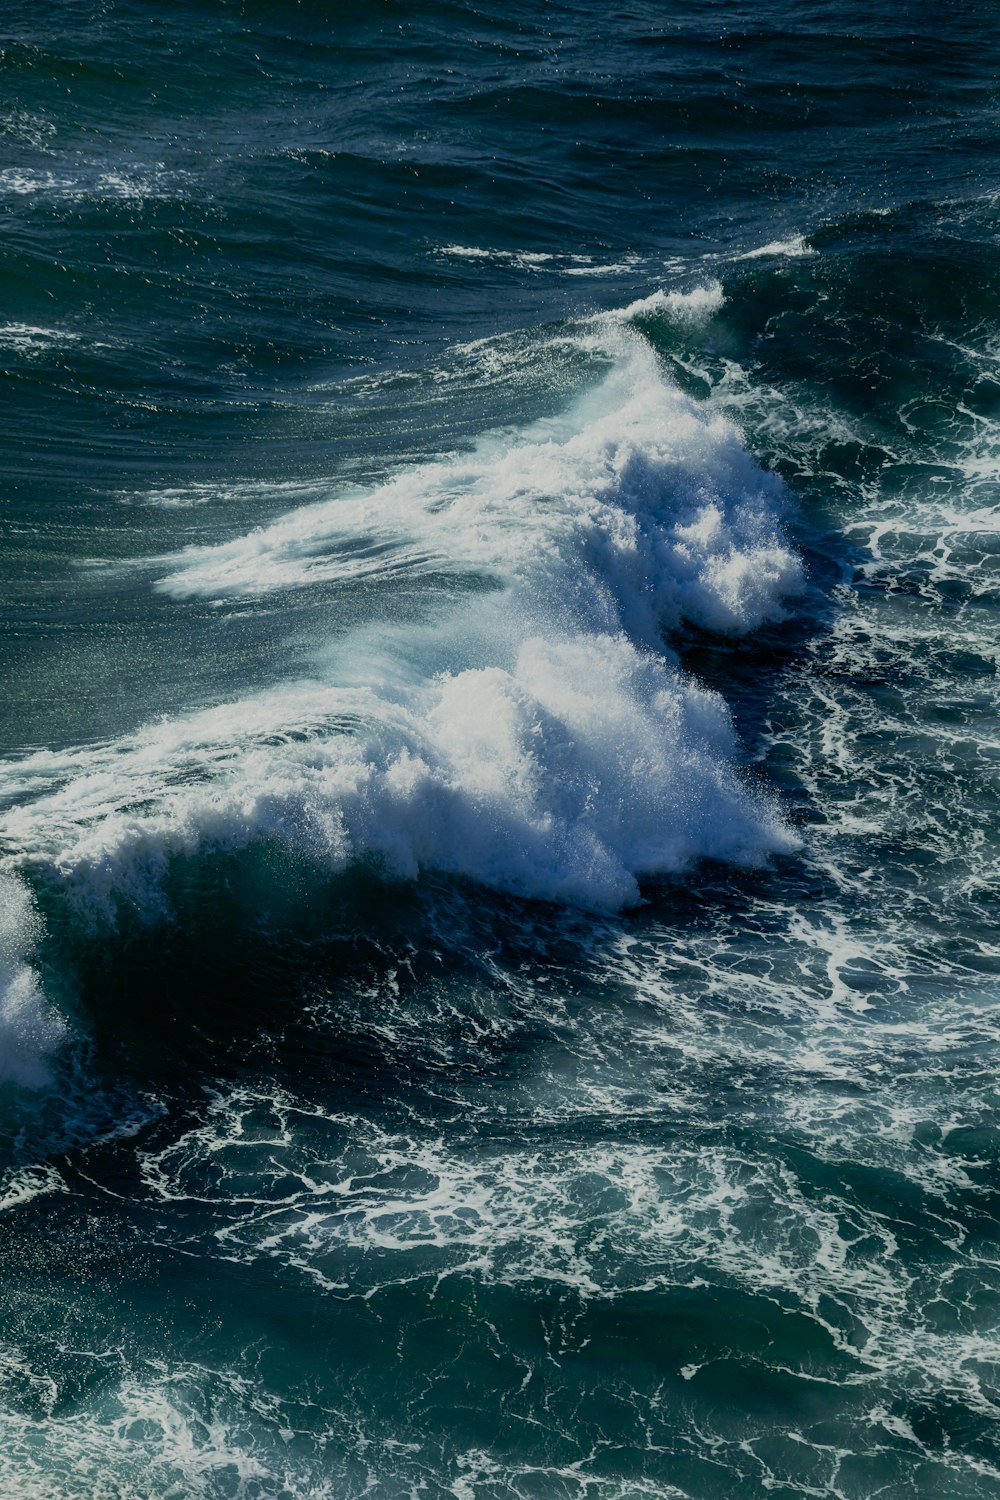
{"x":499,"y":849}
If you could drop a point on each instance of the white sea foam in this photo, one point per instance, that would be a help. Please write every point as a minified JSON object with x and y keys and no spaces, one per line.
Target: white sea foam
{"x":687,"y":308}
{"x":27,"y":339}
{"x":538,"y":740}
{"x":515,"y":257}
{"x":29,"y":1029}
{"x":94,"y":181}
{"x":585,"y":766}
{"x":793,"y":248}
{"x":24,"y":1186}
{"x":634,"y":511}
{"x":206,"y":493}
{"x":24,"y":184}
{"x":566,"y":264}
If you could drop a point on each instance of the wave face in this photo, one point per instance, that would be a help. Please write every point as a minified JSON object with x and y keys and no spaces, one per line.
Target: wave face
{"x":498,"y":820}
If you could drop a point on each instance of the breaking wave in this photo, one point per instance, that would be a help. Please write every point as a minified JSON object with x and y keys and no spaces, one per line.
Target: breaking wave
{"x":536,"y":736}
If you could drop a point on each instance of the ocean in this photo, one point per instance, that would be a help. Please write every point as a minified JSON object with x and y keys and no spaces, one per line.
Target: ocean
{"x":498,"y":750}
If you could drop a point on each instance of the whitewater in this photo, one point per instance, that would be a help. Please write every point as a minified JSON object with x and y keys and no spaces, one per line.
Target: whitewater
{"x":542,"y":739}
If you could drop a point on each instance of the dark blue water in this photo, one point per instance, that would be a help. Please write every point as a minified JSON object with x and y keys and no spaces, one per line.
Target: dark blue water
{"x":498,"y":869}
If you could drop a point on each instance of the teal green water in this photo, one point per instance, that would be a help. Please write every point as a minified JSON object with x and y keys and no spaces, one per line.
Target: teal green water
{"x":498,"y":860}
